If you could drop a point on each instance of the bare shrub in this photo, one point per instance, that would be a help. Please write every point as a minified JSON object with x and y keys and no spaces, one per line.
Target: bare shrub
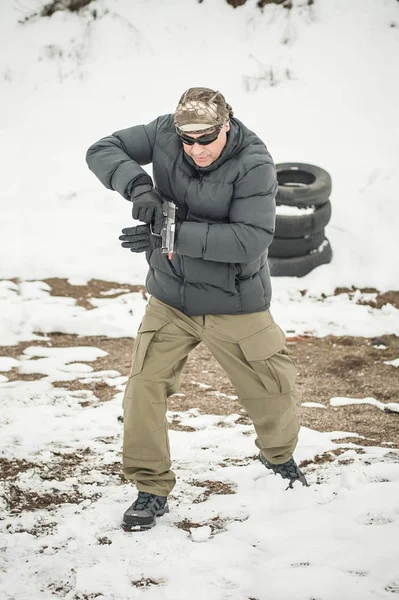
{"x":57,"y":5}
{"x":71,"y":5}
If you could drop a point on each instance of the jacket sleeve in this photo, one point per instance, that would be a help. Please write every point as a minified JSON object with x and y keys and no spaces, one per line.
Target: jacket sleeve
{"x":116,"y":160}
{"x":251,"y":228}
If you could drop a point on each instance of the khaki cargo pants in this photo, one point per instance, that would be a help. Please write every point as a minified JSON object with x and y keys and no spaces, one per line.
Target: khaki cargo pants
{"x":249,"y":347}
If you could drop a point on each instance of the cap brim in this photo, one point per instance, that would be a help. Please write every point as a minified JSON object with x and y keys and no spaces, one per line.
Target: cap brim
{"x":194,"y":127}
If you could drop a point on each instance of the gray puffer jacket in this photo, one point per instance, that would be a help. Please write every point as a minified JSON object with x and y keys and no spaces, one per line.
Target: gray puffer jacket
{"x":227,"y":212}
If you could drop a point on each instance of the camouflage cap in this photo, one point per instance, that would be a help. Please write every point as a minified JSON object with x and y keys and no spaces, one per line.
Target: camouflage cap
{"x":200,"y":109}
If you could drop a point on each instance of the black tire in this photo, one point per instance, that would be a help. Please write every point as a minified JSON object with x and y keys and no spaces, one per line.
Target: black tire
{"x":289,"y":247}
{"x":301,"y":184}
{"x":299,"y":266}
{"x":295,"y":226}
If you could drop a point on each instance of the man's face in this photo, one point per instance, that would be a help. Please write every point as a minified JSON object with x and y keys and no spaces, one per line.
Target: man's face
{"x":203,"y":156}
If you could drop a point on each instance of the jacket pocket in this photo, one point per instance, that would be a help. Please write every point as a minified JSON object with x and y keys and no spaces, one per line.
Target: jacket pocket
{"x":232,"y":278}
{"x":148,"y":328}
{"x":267,"y":355}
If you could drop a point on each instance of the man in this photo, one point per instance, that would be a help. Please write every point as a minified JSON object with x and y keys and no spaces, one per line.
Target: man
{"x":216,"y":287}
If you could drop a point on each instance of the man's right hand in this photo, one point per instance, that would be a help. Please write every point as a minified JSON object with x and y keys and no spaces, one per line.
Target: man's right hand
{"x":147,"y":207}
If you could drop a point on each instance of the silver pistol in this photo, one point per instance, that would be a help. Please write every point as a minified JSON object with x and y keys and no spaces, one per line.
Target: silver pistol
{"x":168,"y":228}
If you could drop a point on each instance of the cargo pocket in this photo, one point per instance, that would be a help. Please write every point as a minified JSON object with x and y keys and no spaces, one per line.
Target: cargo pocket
{"x":148,"y":328}
{"x":266,"y":353}
{"x":145,"y":433}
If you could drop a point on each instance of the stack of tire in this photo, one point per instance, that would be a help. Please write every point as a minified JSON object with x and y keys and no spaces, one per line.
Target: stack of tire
{"x":303,"y":211}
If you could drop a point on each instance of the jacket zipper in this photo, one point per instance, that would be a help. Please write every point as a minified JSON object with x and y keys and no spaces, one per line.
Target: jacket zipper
{"x":238,"y":272}
{"x":181,"y":257}
{"x":183,"y":287}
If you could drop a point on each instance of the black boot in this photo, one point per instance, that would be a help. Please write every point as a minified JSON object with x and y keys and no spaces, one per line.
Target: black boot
{"x":288,"y":470}
{"x":140,"y":516}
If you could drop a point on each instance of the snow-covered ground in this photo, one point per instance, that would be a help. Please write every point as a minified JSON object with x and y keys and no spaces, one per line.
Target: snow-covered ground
{"x":252,"y":538}
{"x":28,"y":309}
{"x":318,"y":83}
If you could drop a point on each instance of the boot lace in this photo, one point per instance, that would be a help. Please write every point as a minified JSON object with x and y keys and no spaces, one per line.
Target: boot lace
{"x":289,"y":469}
{"x":142,"y":501}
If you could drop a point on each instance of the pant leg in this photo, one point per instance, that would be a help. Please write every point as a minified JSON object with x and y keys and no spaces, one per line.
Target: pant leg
{"x":251,"y":349}
{"x":160,"y":352}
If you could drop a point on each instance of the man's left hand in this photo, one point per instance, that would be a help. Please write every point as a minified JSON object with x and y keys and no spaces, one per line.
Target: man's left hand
{"x":140,"y":239}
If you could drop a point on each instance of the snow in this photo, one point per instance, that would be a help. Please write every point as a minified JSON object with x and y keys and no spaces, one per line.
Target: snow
{"x":316,"y":540}
{"x":29,"y":309}
{"x":67,"y":81}
{"x":8,"y":363}
{"x":201,"y":534}
{"x":321,"y":247}
{"x":343,"y":120}
{"x":319,"y":538}
{"x":294,"y":210}
{"x":389,"y":406}
{"x":394,"y":363}
{"x":29,"y":312}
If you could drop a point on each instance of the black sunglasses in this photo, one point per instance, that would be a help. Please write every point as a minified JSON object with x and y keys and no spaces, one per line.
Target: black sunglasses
{"x":203,"y":140}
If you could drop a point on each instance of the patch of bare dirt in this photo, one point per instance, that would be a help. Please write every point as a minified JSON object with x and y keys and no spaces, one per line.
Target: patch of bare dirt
{"x":146,"y":582}
{"x":327,"y":367}
{"x":217,"y":524}
{"x":175,"y":424}
{"x":100,"y":389}
{"x":38,"y":529}
{"x":262,"y":3}
{"x":115,"y":470}
{"x":95,"y":288}
{"x":64,"y":466}
{"x":61,"y":467}
{"x":227,"y":462}
{"x":62,"y":589}
{"x":19,"y":500}
{"x":92,"y":596}
{"x":329,"y":456}
{"x":211,"y":487}
{"x":13,"y":375}
{"x":49,"y":8}
{"x":390,"y":297}
{"x":119,"y":358}
{"x":10,"y":469}
{"x":104,"y":541}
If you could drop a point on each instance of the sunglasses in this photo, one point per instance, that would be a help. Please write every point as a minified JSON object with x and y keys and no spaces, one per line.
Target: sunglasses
{"x":203,"y":140}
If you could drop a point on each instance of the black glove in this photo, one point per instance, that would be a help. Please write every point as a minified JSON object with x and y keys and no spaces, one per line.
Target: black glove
{"x":147,"y":206}
{"x":140,"y":239}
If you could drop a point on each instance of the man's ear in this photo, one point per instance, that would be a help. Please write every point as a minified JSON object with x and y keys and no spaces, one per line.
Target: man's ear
{"x":227,"y":126}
